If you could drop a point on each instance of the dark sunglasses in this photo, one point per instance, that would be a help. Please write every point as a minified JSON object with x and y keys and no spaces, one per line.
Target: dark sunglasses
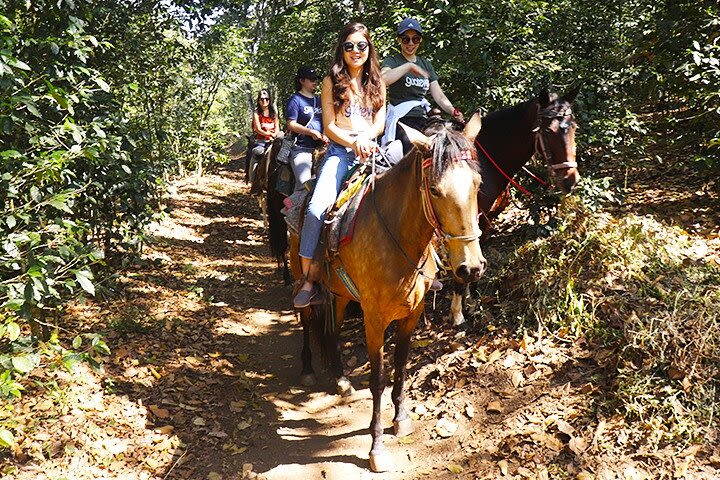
{"x":264,"y":98}
{"x":414,"y":39}
{"x":350,"y":46}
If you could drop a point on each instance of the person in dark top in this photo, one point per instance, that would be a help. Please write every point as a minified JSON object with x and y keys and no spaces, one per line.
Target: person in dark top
{"x":304,"y":118}
{"x":409,"y":78}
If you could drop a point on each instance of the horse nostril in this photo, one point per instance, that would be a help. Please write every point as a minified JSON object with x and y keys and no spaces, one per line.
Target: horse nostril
{"x":462,"y":272}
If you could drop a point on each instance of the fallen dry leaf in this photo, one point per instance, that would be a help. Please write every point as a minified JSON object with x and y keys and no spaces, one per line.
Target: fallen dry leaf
{"x":584,"y":475}
{"x":445,"y":428}
{"x":454,"y":468}
{"x":578,"y":445}
{"x":503,"y":464}
{"x":510,"y":360}
{"x":159,"y":412}
{"x":495,"y":407}
{"x":517,"y":378}
{"x":564,"y":426}
{"x":494,"y":356}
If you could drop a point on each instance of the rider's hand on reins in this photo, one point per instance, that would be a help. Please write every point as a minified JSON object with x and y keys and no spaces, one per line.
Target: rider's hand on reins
{"x":316,"y":135}
{"x":364,"y":147}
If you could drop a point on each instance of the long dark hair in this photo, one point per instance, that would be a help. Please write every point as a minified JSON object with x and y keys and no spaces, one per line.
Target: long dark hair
{"x":371,"y":78}
{"x":271,"y":106}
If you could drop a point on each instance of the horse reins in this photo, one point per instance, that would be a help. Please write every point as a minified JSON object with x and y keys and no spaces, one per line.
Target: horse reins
{"x":429,"y":210}
{"x":430,"y":216}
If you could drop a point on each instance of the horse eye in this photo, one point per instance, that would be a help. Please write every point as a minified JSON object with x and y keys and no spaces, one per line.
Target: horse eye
{"x":434,"y":192}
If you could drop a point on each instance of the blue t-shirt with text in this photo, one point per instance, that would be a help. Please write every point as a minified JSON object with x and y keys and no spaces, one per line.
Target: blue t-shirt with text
{"x":300,"y":109}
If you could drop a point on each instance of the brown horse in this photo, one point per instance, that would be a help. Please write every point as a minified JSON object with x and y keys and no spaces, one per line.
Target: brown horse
{"x":433,"y":190}
{"x":508,"y":140}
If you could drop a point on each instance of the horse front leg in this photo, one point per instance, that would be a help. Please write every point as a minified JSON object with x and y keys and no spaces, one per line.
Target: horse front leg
{"x":380,"y":458}
{"x":343,"y":386}
{"x":460,"y":290}
{"x":287,"y":276}
{"x":307,"y":375}
{"x":402,"y":423}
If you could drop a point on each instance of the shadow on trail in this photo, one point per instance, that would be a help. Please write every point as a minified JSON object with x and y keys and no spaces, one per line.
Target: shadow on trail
{"x":216,"y":369}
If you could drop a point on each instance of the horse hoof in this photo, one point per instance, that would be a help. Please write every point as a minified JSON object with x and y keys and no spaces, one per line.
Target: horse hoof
{"x":381,"y":462}
{"x":403,"y":428}
{"x":308,"y":380}
{"x":458,"y":320}
{"x":344,"y":387}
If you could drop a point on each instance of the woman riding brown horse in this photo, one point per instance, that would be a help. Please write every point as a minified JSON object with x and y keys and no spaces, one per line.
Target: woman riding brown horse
{"x":432,"y":191}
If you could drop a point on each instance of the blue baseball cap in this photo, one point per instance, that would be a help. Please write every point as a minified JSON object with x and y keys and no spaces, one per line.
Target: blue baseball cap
{"x":408,"y":24}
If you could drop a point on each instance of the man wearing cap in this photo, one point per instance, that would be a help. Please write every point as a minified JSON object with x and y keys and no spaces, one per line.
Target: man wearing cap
{"x":409,"y":78}
{"x":304,"y":118}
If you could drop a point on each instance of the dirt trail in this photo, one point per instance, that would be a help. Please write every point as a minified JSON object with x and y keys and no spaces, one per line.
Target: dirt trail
{"x":294,"y":432}
{"x":305,"y":432}
{"x":203,"y":381}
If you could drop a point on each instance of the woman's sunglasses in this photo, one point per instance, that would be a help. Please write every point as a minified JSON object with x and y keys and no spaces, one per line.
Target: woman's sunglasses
{"x":416,"y":39}
{"x":264,"y":98}
{"x":350,"y":46}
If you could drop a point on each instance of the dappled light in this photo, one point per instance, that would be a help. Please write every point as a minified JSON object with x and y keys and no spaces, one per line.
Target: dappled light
{"x":147,"y":328}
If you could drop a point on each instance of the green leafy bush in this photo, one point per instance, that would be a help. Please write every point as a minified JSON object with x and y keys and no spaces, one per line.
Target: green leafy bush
{"x":646,"y":291}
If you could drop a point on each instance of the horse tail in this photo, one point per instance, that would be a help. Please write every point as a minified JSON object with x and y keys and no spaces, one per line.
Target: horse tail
{"x":324,"y":338}
{"x":277,"y":228}
{"x":326,"y":333}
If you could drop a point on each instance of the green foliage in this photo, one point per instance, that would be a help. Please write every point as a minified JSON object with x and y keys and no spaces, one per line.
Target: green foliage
{"x":632,"y":285}
{"x":630,"y":57}
{"x":100,"y":104}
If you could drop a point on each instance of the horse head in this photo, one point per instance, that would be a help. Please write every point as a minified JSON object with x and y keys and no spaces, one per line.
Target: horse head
{"x":450,"y":180}
{"x":555,"y":138}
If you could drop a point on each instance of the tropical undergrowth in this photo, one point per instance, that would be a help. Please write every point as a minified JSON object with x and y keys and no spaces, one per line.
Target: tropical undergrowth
{"x":646,"y":292}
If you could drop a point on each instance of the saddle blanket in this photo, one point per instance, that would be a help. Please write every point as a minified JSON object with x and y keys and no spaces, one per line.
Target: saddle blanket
{"x":340,"y":220}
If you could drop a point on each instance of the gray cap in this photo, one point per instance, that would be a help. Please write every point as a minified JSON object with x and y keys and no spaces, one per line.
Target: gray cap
{"x":408,"y":24}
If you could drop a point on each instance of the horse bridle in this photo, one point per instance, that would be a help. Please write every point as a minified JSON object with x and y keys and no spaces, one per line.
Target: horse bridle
{"x":566,"y":119}
{"x":429,"y":212}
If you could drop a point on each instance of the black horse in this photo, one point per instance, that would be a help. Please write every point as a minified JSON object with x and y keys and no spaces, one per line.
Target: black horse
{"x":507,"y":141}
{"x":277,"y":229}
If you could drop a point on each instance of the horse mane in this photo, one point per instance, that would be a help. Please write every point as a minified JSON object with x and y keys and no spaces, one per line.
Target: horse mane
{"x":505,"y":116}
{"x":450,"y":147}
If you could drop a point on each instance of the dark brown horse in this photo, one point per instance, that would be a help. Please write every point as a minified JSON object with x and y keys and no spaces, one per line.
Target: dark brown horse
{"x":432,"y":191}
{"x":507,"y":141}
{"x":277,"y":230}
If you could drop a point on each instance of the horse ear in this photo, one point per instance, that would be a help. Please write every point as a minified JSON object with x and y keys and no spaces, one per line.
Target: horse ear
{"x":472,"y":127}
{"x":417,"y":138}
{"x":544,"y":97}
{"x":572,"y":94}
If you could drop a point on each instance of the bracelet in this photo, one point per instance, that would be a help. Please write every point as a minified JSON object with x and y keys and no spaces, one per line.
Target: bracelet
{"x":456,"y":112}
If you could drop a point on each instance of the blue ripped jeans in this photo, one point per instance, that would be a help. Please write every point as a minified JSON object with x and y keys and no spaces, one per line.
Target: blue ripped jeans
{"x":337,"y":163}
